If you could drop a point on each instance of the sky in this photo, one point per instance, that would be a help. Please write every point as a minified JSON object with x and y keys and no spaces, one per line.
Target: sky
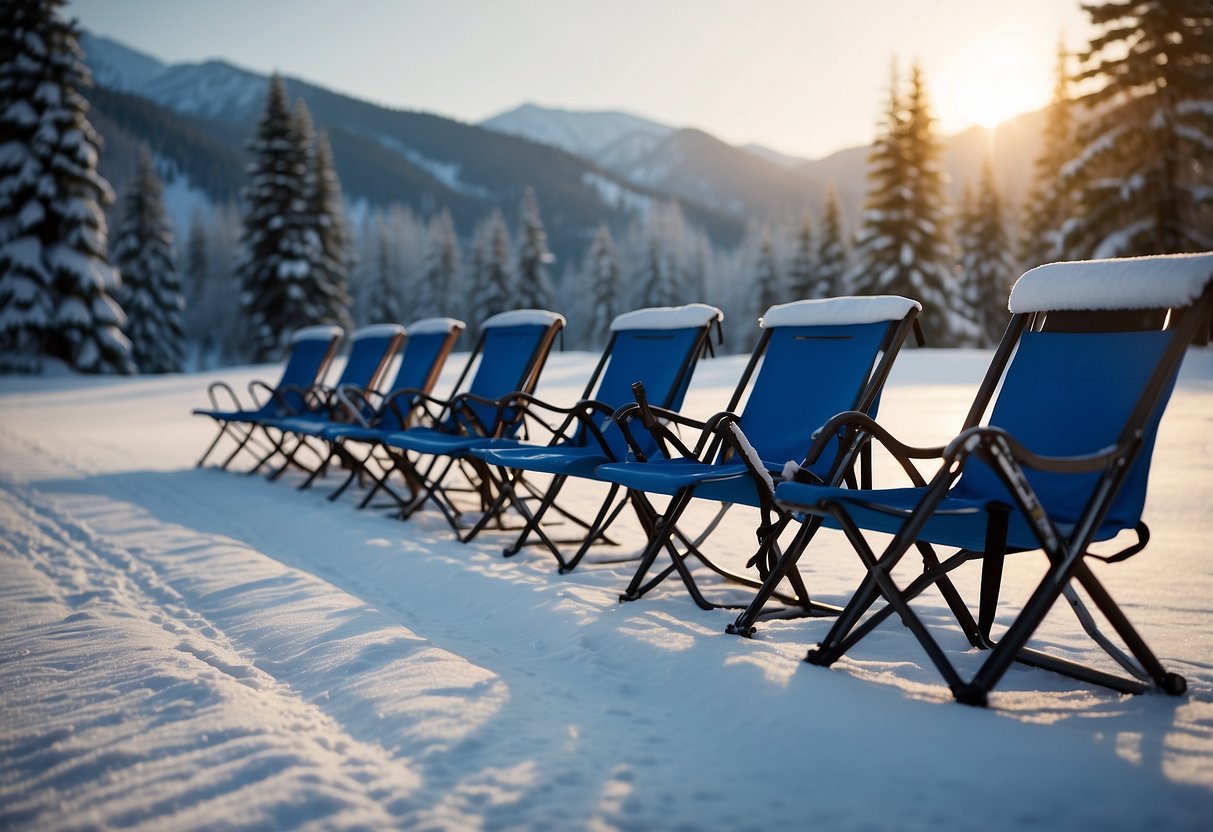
{"x":805,"y":77}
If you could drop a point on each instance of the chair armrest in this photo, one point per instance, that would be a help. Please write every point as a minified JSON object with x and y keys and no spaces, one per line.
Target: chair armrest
{"x":222,"y":385}
{"x":659,"y":430}
{"x":355,"y":403}
{"x":861,"y":427}
{"x":970,"y":440}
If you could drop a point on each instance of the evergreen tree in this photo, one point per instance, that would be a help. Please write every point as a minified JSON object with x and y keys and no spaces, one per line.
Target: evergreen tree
{"x":151,"y":290}
{"x":987,"y":267}
{"x":440,"y":280}
{"x":903,"y":248}
{"x":533,"y":285}
{"x":56,"y":284}
{"x":383,"y":303}
{"x":603,"y":283}
{"x":654,"y":277}
{"x":331,"y":245}
{"x":195,"y":271}
{"x":767,"y":281}
{"x":832,"y":257}
{"x":658,"y":274}
{"x":281,"y":290}
{"x":493,"y":286}
{"x":1145,"y":167}
{"x":474,"y":288}
{"x":802,"y":271}
{"x":1050,"y":204}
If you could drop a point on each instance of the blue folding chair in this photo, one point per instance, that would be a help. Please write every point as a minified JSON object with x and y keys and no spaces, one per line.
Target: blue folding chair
{"x":372,"y":349}
{"x":656,"y":347}
{"x":371,"y":416}
{"x":312,"y":349}
{"x":509,"y":357}
{"x":1074,"y":394}
{"x":815,"y":358}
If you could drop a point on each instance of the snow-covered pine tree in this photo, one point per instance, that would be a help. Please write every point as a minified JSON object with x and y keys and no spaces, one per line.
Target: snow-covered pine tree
{"x":439,"y":284}
{"x":832,"y":256}
{"x":903,"y":248}
{"x":56,"y":284}
{"x":499,"y":279}
{"x":987,"y":267}
{"x":195,"y":269}
{"x":279,"y":284}
{"x":534,"y":287}
{"x":768,"y":284}
{"x":802,"y":270}
{"x":474,"y":290}
{"x":326,"y":215}
{"x":382,"y":302}
{"x":603,"y":280}
{"x":151,"y":290}
{"x":1049,"y":203}
{"x":1145,"y":163}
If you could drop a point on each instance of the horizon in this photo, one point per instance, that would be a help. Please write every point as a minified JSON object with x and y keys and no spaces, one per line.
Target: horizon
{"x":983,"y":65}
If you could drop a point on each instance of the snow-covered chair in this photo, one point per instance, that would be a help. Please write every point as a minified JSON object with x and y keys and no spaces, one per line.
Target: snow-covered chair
{"x":312,"y":350}
{"x":1074,"y":394}
{"x":814,"y":359}
{"x":310,"y":409}
{"x":657,"y":347}
{"x":509,"y":357}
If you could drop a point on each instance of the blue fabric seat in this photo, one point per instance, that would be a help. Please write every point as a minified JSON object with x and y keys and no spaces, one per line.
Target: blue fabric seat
{"x":312,"y":350}
{"x":814,"y":358}
{"x":655,"y":347}
{"x":1074,"y":395}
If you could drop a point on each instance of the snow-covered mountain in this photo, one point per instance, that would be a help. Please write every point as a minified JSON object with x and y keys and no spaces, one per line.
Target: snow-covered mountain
{"x":585,"y":133}
{"x":198,"y":116}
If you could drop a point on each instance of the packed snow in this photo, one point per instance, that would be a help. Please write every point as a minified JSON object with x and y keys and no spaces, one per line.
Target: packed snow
{"x":190,"y":649}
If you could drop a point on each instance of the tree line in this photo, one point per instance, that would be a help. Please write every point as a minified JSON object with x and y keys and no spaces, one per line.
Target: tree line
{"x":1125,"y":169}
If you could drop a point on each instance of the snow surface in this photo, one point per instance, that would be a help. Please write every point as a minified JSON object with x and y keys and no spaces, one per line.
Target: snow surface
{"x":377,"y":331}
{"x":194,"y":649}
{"x":1156,"y":282}
{"x":428,"y":325}
{"x":839,"y":311}
{"x":667,"y":317}
{"x":520,"y":317}
{"x":316,"y":333}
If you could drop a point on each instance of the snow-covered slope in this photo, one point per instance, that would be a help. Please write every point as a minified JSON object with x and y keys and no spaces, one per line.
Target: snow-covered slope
{"x":585,"y":133}
{"x":117,"y":66}
{"x":193,"y":649}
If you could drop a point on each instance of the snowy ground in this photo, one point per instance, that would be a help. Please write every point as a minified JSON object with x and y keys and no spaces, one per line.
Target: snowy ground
{"x":187,"y":649}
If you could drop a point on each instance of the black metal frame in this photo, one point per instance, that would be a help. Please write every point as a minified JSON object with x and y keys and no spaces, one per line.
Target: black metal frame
{"x":1066,"y":553}
{"x":719,"y":438}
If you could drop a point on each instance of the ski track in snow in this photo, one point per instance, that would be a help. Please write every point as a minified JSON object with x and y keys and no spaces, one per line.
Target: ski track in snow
{"x":192,"y":648}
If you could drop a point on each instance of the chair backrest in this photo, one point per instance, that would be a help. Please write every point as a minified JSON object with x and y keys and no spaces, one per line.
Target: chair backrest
{"x":371,"y":350}
{"x":312,"y":350}
{"x":425,"y":352}
{"x":818,"y":358}
{"x":1088,"y":362}
{"x":657,"y":346}
{"x":513,"y":349}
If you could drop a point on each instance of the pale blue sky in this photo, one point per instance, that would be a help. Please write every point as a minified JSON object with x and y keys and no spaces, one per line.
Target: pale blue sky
{"x":801,"y":76}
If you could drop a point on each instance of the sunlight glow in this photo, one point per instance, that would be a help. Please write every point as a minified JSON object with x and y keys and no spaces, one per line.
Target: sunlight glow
{"x":993,"y":80}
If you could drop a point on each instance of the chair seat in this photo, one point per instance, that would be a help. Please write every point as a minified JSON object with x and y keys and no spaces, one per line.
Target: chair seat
{"x":228,"y":415}
{"x":305,"y":425}
{"x":958,"y":521}
{"x":430,"y":441}
{"x":570,"y":460}
{"x":728,"y":483}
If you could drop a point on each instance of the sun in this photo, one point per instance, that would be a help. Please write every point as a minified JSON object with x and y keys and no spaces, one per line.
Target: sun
{"x":990,"y":81}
